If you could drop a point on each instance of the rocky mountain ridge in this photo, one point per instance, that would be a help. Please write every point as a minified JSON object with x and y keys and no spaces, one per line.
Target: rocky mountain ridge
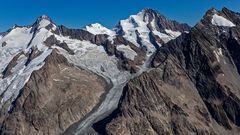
{"x":148,"y":75}
{"x":47,"y":71}
{"x":192,"y":89}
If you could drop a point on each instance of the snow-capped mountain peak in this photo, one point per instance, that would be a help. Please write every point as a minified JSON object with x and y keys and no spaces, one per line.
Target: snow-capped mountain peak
{"x":221,"y":18}
{"x":47,"y":75}
{"x":24,"y":46}
{"x":149,"y":29}
{"x":44,"y":17}
{"x":97,"y":28}
{"x":149,"y":14}
{"x":43,"y":22}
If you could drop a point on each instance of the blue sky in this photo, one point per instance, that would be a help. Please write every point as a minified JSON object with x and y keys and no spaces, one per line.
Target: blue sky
{"x":78,"y":13}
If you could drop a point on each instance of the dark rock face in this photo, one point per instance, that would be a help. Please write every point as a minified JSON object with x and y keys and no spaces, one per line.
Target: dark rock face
{"x":162,"y":101}
{"x":125,"y":63}
{"x":32,"y":55}
{"x":164,"y":23}
{"x":4,"y":44}
{"x":50,"y":41}
{"x":193,"y":87}
{"x":155,"y":40}
{"x":13,"y":63}
{"x":83,"y":35}
{"x":55,"y":97}
{"x":75,"y":33}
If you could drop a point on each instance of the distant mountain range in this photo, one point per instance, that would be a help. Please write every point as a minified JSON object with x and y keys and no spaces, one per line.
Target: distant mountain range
{"x":147,"y":76}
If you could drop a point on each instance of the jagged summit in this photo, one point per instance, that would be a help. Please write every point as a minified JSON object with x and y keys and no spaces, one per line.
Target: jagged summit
{"x":225,"y":9}
{"x":43,"y":21}
{"x":149,"y":29}
{"x":149,"y":14}
{"x":43,"y":17}
{"x":223,"y":18}
{"x":149,"y":10}
{"x":212,"y":10}
{"x":192,"y":89}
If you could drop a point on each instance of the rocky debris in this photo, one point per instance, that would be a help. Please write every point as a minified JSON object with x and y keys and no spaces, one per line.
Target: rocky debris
{"x":193,"y":87}
{"x":55,"y":97}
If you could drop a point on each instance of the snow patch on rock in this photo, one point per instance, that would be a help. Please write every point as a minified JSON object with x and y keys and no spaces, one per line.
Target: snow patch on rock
{"x":127,"y":51}
{"x":221,"y":21}
{"x":218,"y":53}
{"x":173,"y":34}
{"x":169,"y":35}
